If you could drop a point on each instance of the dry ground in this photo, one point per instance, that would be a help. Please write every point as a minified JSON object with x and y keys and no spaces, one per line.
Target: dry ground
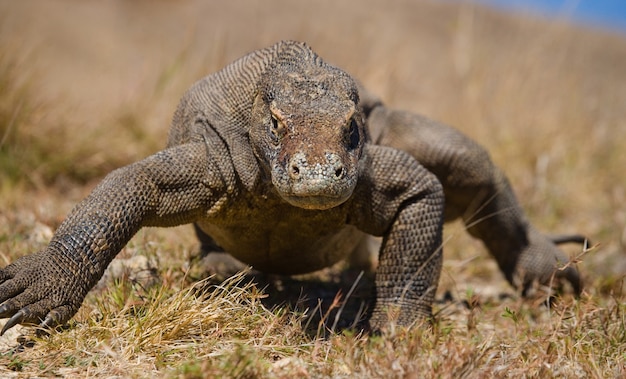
{"x":87,"y":86}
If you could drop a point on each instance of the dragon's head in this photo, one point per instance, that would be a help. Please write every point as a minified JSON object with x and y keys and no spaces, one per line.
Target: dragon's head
{"x":307,"y":131}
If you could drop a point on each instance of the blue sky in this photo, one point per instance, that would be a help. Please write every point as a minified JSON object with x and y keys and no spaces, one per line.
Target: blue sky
{"x":605,"y":13}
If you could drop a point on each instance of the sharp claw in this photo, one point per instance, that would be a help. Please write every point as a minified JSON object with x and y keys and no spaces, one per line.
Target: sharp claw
{"x":5,"y":310}
{"x":49,"y":322}
{"x":14,"y":320}
{"x":560,"y":239}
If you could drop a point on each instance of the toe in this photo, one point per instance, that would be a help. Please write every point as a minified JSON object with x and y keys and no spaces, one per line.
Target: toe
{"x":571,"y":274}
{"x":10,"y":289}
{"x":58,"y":316}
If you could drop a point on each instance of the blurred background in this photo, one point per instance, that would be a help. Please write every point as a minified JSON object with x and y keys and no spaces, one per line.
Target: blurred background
{"x":87,"y":86}
{"x":606,"y":14}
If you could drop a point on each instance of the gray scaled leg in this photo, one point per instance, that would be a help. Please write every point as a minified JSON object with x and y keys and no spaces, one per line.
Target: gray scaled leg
{"x":403,"y":202}
{"x":478,"y":192}
{"x":176,"y":186}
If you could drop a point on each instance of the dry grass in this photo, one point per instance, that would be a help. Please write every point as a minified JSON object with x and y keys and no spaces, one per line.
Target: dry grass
{"x":89,"y":86}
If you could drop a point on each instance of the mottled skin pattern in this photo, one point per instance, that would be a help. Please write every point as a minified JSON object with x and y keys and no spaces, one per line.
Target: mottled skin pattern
{"x":286,"y":163}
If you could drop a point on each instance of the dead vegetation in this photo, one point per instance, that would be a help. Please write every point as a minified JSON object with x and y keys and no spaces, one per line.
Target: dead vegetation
{"x":88,"y":86}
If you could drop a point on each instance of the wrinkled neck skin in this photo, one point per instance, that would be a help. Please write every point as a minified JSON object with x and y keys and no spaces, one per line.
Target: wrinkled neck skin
{"x":307,"y":132}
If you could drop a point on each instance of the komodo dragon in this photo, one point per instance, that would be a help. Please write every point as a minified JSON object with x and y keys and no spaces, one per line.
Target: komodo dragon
{"x":287,"y":163}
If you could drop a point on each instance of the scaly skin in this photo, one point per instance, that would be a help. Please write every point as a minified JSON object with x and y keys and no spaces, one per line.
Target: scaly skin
{"x":479,"y":193}
{"x":272,"y":160}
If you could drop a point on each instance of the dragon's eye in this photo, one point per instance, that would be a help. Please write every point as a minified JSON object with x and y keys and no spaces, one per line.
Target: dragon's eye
{"x":352,"y":135}
{"x":277,"y":130}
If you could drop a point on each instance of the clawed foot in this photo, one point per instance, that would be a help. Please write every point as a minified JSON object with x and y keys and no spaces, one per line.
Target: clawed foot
{"x":542,"y":263}
{"x":35,"y":290}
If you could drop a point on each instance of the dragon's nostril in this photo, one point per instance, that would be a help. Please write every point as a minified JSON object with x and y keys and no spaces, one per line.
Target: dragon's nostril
{"x":295,"y":171}
{"x":339,"y":173}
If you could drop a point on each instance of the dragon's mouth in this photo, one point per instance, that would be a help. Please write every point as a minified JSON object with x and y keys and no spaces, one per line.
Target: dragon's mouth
{"x":314,"y":186}
{"x":319,"y":202}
